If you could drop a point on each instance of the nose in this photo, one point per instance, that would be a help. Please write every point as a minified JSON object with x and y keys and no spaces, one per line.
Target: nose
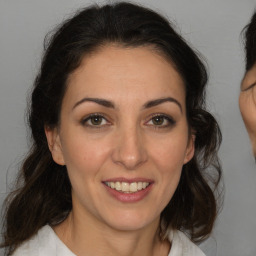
{"x":130,"y":149}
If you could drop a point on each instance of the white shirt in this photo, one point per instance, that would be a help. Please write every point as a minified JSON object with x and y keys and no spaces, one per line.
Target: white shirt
{"x":47,"y":243}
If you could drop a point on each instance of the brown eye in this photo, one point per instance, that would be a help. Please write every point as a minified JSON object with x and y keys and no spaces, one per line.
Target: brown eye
{"x":96,"y":120}
{"x":158,"y":120}
{"x":161,"y":121}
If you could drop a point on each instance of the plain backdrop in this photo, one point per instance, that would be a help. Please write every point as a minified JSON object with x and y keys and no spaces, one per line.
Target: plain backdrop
{"x":212,"y":27}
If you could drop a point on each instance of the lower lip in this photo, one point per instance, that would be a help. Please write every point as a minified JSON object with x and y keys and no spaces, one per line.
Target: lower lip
{"x":129,"y":197}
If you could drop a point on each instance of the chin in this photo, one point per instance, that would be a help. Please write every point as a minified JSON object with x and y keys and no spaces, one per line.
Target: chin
{"x":131,"y":222}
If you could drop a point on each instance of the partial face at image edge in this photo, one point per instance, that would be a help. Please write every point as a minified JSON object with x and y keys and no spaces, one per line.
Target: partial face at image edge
{"x":247,"y":103}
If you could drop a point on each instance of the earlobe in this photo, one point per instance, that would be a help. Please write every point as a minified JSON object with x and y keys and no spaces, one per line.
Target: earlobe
{"x":190,"y":149}
{"x":54,"y":145}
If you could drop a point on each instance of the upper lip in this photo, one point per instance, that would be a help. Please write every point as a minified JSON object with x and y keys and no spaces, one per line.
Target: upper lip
{"x":129,"y":180}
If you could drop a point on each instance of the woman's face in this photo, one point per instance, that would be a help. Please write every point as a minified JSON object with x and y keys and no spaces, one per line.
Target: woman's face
{"x":247,"y":102}
{"x":123,"y":136}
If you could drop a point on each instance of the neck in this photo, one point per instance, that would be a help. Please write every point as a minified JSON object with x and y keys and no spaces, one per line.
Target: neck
{"x":86,"y":237}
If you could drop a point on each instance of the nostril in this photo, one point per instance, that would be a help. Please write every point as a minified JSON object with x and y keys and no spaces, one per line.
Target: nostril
{"x":130,"y":158}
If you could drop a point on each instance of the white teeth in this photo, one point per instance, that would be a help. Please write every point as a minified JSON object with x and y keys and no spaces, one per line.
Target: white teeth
{"x":127,"y":187}
{"x":118,"y":186}
{"x":133,"y":187}
{"x":139,"y":186}
{"x":144,"y":185}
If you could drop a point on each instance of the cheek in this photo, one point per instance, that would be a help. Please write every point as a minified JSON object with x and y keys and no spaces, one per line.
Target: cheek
{"x":169,"y":161}
{"x":243,"y":104}
{"x":84,"y":160}
{"x":83,"y":154}
{"x":170,"y":150}
{"x":168,"y":156}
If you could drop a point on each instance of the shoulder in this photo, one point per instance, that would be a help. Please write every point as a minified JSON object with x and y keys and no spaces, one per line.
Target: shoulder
{"x":44,"y":243}
{"x":182,"y":245}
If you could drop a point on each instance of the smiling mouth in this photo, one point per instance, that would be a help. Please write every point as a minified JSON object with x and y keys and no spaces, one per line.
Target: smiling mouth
{"x":126,"y":187}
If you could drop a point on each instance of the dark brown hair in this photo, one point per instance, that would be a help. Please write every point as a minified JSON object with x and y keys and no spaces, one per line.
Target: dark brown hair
{"x":250,"y":42}
{"x":44,"y":194}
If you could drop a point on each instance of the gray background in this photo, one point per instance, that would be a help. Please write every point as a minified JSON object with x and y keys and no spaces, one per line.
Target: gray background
{"x":213,"y":27}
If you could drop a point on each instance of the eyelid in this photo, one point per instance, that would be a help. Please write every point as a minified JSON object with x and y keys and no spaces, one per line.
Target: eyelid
{"x":170,"y":119}
{"x":249,"y":87}
{"x":89,"y":116}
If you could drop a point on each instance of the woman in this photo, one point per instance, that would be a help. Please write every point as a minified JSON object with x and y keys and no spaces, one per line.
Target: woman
{"x":123,"y":148}
{"x":247,"y":99}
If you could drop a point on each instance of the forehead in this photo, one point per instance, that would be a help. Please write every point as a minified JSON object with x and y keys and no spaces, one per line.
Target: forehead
{"x":118,"y":71}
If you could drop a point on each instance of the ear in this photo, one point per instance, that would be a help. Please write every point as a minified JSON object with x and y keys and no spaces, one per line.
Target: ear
{"x":190,"y":148}
{"x":54,"y":144}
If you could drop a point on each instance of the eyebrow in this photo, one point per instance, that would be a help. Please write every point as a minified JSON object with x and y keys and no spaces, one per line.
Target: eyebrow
{"x":105,"y":103}
{"x":109,"y":104}
{"x":153,"y":103}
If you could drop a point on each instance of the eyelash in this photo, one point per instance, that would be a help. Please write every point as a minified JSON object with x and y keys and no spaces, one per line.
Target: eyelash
{"x":249,"y":87}
{"x":170,"y":121}
{"x":85,"y":121}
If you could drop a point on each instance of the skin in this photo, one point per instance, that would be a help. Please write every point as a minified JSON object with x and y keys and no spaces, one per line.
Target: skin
{"x":127,"y":143}
{"x":247,"y":103}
